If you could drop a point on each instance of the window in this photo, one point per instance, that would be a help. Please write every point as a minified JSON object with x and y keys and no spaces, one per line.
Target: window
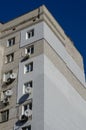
{"x":30,"y":34}
{"x":27,"y":110}
{"x":27,"y":128}
{"x":28,"y":67}
{"x":11,"y":42}
{"x":6,"y":76}
{"x":4,"y":116}
{"x":28,"y":87}
{"x":27,"y":107}
{"x":29,"y":50}
{"x":9,"y":58}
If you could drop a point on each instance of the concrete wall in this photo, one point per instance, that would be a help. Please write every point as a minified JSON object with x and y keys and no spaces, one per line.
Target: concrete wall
{"x":56,"y":44}
{"x":1,"y":62}
{"x":62,"y":67}
{"x":55,"y":102}
{"x":38,"y":34}
{"x":13,"y":86}
{"x":64,"y":109}
{"x":37,"y":76}
{"x":43,"y":31}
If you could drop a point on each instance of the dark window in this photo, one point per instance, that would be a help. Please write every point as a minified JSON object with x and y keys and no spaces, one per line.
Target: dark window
{"x":28,"y":84}
{"x":29,"y":50}
{"x":4,"y":116}
{"x":27,"y":128}
{"x":30,"y":34}
{"x":28,"y":106}
{"x":10,"y":58}
{"x":11,"y":42}
{"x":28,"y":67}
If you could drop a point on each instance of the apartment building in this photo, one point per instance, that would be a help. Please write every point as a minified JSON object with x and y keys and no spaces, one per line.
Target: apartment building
{"x":42,"y":80}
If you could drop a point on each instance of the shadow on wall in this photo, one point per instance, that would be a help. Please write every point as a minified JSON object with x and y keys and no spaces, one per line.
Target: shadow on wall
{"x":10,"y":81}
{"x":23,"y":98}
{"x":2,"y":105}
{"x":20,"y":123}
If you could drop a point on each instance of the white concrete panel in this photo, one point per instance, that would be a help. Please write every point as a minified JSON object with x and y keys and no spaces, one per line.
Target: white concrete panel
{"x":64,"y":108}
{"x":61,"y":51}
{"x":23,"y":78}
{"x":37,"y":76}
{"x":43,"y":31}
{"x":38,"y":34}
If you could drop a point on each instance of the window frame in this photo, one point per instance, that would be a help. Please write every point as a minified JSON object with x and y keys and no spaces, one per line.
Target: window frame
{"x":30,"y":33}
{"x":28,"y":67}
{"x":27,"y":128}
{"x":25,"y":85}
{"x":9,"y":58}
{"x":4,"y":113}
{"x":28,"y":106}
{"x":29,"y":50}
{"x":11,"y":42}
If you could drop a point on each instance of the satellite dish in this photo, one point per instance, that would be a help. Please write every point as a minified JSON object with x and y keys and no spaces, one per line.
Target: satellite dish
{"x":8,"y":93}
{"x":28,"y":90}
{"x":6,"y":101}
{"x":28,"y":112}
{"x":13,"y":75}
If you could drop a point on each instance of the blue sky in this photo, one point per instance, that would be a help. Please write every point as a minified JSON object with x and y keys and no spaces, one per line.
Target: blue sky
{"x":71,"y":15}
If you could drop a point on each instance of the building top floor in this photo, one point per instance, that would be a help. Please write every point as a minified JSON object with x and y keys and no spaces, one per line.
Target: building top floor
{"x":34,"y":17}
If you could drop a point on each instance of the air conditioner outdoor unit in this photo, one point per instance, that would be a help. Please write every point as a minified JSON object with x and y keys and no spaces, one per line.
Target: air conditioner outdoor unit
{"x":6,"y":101}
{"x":28,"y":113}
{"x":27,"y":56}
{"x":6,"y":77}
{"x":28,"y":90}
{"x":8,"y":93}
{"x":13,"y":75}
{"x":24,"y":117}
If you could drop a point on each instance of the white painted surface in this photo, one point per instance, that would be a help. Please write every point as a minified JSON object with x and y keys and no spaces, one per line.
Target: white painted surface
{"x":61,"y":51}
{"x":64,"y":109}
{"x":38,"y":34}
{"x":37,"y":76}
{"x":30,"y":76}
{"x":56,"y":104}
{"x":43,"y":31}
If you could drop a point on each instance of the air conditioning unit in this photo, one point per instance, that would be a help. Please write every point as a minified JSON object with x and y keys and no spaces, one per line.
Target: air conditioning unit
{"x":27,"y":56}
{"x":6,"y":101}
{"x":8,"y":93}
{"x":28,"y":90}
{"x":13,"y":75}
{"x":6,"y":77}
{"x":28,"y":113}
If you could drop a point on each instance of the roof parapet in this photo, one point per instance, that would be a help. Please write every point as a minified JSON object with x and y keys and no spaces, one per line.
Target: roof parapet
{"x":1,"y":25}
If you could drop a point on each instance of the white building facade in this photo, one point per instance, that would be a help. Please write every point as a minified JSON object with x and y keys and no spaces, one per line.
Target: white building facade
{"x":41,"y":76}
